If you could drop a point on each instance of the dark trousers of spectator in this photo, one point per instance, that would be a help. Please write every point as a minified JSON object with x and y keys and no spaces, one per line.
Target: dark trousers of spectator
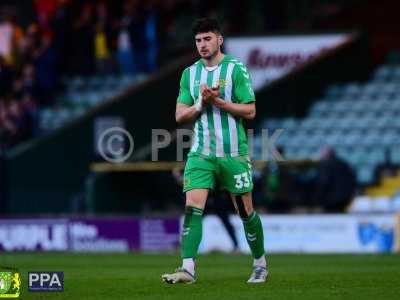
{"x":220,"y":207}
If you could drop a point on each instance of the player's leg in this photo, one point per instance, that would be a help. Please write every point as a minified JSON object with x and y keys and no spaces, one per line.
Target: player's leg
{"x":254,"y":235}
{"x":191,"y":237}
{"x":199,"y":177}
{"x":192,"y":227}
{"x":236,"y":174}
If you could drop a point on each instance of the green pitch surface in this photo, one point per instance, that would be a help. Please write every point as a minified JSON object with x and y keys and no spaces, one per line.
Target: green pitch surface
{"x":137,"y":276}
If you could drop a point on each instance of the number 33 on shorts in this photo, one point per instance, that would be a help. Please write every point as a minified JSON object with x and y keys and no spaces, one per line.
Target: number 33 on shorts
{"x":242,"y":180}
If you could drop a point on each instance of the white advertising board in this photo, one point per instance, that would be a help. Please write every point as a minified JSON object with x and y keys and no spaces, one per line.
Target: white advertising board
{"x":308,"y":234}
{"x":269,"y":58}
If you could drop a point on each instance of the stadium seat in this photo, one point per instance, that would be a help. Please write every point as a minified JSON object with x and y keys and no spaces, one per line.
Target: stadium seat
{"x":288,"y":123}
{"x":365,"y":174}
{"x":395,"y":154}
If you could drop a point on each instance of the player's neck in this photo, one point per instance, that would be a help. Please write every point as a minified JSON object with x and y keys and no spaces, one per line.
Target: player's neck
{"x":215,"y":60}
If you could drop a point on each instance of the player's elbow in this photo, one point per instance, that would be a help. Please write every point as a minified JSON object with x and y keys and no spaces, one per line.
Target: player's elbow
{"x":179,"y":118}
{"x":251,"y":114}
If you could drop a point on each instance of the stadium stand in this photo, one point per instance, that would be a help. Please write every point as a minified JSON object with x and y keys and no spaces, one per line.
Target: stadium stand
{"x":34,"y":57}
{"x":349,"y":116}
{"x":83,"y":93}
{"x":358,"y":119}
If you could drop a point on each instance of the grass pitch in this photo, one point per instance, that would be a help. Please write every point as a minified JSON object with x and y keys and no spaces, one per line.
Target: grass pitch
{"x":138,"y":276}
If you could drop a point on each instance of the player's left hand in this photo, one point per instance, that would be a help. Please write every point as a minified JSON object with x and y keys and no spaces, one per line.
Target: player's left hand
{"x":209,"y":94}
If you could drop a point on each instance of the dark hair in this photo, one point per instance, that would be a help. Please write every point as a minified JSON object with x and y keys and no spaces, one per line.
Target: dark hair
{"x":205,"y":25}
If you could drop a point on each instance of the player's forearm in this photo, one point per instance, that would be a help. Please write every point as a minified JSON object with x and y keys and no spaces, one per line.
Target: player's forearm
{"x":245,"y":111}
{"x":186,"y":114}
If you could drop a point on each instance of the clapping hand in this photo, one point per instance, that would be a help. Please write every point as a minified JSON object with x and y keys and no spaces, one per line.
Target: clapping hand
{"x":209,"y":94}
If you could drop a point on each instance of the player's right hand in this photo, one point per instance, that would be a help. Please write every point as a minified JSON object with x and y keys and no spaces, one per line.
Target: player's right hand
{"x":209,"y":94}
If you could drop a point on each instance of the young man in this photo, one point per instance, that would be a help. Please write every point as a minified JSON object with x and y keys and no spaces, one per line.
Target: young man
{"x":216,"y":93}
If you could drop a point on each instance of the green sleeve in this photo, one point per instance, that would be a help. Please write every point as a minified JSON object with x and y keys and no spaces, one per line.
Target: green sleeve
{"x":243,"y":91}
{"x":184,"y":96}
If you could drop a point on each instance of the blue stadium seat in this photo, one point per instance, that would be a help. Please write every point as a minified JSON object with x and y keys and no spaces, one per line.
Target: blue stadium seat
{"x":395,"y":154}
{"x":289,"y":123}
{"x":334,"y":90}
{"x":365,"y":174}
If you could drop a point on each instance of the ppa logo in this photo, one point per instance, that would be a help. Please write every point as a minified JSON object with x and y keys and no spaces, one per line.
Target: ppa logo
{"x":46,"y":281}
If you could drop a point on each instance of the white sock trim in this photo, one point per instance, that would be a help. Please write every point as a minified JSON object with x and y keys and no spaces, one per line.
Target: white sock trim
{"x":188,"y":265}
{"x":260,"y":262}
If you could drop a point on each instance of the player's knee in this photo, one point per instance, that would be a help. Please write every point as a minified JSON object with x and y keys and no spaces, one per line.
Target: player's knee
{"x":192,"y":210}
{"x":193,"y":203}
{"x":196,"y":199}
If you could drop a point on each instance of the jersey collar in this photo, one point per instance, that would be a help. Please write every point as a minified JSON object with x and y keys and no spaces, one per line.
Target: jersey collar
{"x":222,"y":60}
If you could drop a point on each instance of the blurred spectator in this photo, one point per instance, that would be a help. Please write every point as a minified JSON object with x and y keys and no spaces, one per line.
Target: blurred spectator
{"x":125,"y":53}
{"x":6,"y":76}
{"x":385,"y":169}
{"x":82,"y":51}
{"x":102,"y":40}
{"x":45,"y":9}
{"x":29,"y":83}
{"x":45,"y":58}
{"x":18,"y":111}
{"x":335,"y":182}
{"x":141,"y":31}
{"x":30,"y":108}
{"x":151,"y":50}
{"x":9,"y":130}
{"x":6,"y":36}
{"x":138,"y":37}
{"x":26,"y":47}
{"x":277,"y":185}
{"x":61,"y":26}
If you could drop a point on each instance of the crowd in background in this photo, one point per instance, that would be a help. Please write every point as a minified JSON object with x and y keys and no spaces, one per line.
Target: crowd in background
{"x":327,"y":185}
{"x":66,"y":37}
{"x":44,"y":40}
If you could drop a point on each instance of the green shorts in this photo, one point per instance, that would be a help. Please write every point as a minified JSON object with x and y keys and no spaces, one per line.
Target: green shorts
{"x":231,"y":173}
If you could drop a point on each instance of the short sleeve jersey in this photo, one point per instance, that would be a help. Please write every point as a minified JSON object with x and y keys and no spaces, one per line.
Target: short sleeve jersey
{"x":217,"y":132}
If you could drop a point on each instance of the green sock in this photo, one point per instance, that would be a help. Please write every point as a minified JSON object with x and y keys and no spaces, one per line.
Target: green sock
{"x":192,"y":232}
{"x":254,"y":234}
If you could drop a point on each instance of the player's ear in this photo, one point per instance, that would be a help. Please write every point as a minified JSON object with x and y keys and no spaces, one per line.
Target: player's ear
{"x":220,"y":40}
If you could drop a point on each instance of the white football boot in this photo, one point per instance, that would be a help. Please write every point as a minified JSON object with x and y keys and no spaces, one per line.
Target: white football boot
{"x":180,"y":276}
{"x":259,"y":275}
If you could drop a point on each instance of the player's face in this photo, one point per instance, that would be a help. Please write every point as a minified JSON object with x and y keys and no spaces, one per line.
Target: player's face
{"x":208,"y":44}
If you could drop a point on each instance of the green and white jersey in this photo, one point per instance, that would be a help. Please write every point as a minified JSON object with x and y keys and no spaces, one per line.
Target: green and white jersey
{"x":217,"y":132}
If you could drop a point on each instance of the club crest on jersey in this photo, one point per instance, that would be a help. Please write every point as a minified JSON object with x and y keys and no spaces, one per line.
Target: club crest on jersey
{"x":222,"y":83}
